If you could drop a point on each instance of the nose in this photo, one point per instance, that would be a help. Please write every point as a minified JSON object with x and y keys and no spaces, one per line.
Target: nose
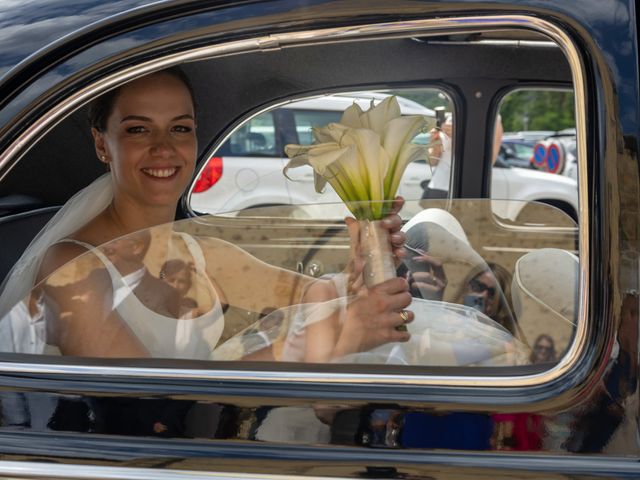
{"x":162,"y":145}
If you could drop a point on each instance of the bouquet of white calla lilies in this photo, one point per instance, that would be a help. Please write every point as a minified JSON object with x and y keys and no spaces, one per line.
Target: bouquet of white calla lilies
{"x":364,"y":156}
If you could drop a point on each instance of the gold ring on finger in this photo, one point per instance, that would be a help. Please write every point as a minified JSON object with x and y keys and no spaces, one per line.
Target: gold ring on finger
{"x":404,"y":315}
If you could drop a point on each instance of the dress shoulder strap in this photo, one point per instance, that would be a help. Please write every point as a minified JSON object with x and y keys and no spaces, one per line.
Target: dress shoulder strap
{"x":101,"y":256}
{"x":195,"y":250}
{"x":77,"y":242}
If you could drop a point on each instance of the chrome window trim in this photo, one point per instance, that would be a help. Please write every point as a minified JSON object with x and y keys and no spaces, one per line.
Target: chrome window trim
{"x":550,"y":465}
{"x":24,"y":470}
{"x":436,"y":26}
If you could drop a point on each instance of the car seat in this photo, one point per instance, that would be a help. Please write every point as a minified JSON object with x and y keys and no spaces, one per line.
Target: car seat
{"x":17,"y":231}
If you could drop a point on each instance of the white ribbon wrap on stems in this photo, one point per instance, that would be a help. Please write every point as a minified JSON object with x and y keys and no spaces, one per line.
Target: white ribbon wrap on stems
{"x":378,"y":265}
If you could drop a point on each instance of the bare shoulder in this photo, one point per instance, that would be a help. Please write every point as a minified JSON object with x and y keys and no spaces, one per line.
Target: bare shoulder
{"x":96,"y":232}
{"x":59,"y":255}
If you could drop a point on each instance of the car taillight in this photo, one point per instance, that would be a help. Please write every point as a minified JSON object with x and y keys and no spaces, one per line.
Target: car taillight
{"x":209,"y":176}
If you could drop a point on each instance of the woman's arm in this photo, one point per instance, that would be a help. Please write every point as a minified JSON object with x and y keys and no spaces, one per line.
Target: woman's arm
{"x":80,"y":305}
{"x":249,"y":283}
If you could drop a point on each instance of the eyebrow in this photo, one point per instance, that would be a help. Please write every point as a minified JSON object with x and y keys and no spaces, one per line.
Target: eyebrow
{"x":186,"y":116}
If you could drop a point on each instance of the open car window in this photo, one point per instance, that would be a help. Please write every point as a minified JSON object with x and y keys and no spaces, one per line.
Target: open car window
{"x":279,"y":284}
{"x":246,"y":169}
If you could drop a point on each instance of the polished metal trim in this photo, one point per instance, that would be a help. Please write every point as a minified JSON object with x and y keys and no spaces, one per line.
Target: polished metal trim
{"x":435,"y":26}
{"x":35,"y":470}
{"x":500,"y":463}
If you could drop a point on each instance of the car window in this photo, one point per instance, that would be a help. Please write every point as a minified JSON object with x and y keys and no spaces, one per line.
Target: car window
{"x":273,"y":288}
{"x":305,"y":120}
{"x":257,"y":137}
{"x":280,"y":243}
{"x":537,"y":159}
{"x":267,"y":134}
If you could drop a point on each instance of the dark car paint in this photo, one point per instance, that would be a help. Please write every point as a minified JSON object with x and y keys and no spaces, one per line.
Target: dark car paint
{"x":158,"y":423}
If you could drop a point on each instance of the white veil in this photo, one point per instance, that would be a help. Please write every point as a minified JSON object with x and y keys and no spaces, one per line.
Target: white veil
{"x":76,"y":212}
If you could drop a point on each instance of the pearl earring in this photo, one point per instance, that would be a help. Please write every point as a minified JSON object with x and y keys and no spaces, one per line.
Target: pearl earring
{"x":103,"y":157}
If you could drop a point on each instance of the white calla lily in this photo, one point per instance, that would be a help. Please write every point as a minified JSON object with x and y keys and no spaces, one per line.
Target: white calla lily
{"x":363,"y":156}
{"x":396,"y":141}
{"x":351,"y":116}
{"x":377,"y":117}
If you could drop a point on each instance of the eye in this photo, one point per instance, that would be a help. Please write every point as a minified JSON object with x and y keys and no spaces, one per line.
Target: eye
{"x":182,"y":128}
{"x":136,"y":129}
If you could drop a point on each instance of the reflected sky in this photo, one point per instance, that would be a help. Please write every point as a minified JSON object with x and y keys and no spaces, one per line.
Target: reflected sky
{"x":28,"y":26}
{"x":40,"y":30}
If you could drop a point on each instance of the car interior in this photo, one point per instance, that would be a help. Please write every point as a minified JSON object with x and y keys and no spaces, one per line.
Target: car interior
{"x":475,"y":69}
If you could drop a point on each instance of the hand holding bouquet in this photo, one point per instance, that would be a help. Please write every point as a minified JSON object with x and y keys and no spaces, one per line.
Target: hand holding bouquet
{"x":363,"y":157}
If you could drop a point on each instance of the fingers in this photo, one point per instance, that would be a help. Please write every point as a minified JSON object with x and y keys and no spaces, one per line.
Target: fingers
{"x":433,"y":262}
{"x":398,"y":240}
{"x":393,"y":326}
{"x":392,"y":296}
{"x":392,"y":286}
{"x":354,"y":232}
{"x":393,"y":223}
{"x":397,"y":205}
{"x":428,"y":281}
{"x":433,"y":266}
{"x":399,"y":332}
{"x":406,"y":316}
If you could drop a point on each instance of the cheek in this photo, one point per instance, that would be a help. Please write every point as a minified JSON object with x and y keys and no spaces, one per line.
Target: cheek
{"x":187,"y":151}
{"x":124,"y":152}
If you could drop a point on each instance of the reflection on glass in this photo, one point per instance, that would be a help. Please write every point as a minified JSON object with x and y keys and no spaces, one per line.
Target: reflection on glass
{"x":229,"y":288}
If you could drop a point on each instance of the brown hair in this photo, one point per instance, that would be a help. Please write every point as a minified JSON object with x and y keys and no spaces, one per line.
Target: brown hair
{"x":504,"y":315}
{"x":101,"y":107}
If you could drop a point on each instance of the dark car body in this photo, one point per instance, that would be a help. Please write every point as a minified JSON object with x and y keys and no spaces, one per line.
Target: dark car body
{"x":85,"y":418}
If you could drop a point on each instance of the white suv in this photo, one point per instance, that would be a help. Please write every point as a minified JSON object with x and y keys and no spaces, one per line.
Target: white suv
{"x":246,"y":170}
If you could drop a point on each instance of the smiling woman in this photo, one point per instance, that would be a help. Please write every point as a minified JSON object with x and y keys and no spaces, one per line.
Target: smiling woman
{"x":107,"y":303}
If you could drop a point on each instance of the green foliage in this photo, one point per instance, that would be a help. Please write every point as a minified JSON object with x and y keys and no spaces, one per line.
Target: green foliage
{"x":538,"y":110}
{"x":521,"y":110}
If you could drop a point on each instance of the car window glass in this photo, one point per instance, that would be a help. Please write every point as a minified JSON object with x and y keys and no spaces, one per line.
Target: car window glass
{"x":273,"y":286}
{"x":305,"y":120}
{"x":537,"y":160}
{"x":255,"y":138}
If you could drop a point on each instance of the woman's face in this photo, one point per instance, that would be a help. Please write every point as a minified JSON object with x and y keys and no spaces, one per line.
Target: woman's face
{"x":543,"y":351}
{"x":150,"y":141}
{"x":180,"y":280}
{"x":485,"y":285}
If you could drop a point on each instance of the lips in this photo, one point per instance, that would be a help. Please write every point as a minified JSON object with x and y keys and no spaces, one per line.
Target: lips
{"x":161,"y":173}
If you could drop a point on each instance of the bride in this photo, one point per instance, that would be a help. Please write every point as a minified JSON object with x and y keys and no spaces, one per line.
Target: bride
{"x":90,"y":284}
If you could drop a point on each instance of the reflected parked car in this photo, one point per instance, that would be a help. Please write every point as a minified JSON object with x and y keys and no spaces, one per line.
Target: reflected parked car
{"x":517,"y":153}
